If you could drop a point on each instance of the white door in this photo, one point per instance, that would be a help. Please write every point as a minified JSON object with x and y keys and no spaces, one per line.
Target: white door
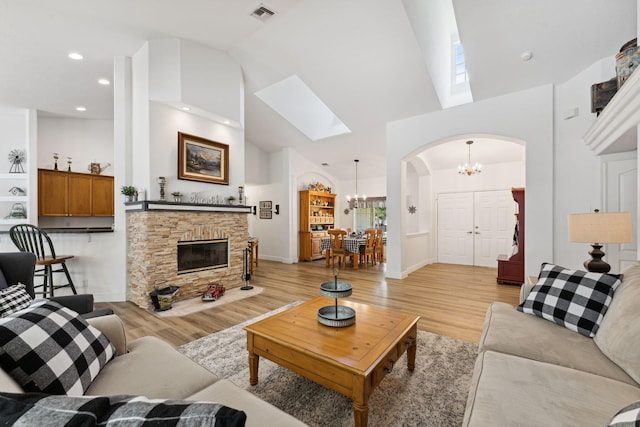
{"x":493,"y":226}
{"x":621,"y":196}
{"x":455,"y":228}
{"x":473,"y":228}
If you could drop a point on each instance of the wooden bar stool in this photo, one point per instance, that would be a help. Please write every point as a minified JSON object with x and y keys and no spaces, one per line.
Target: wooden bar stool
{"x":29,"y":238}
{"x":254,"y":246}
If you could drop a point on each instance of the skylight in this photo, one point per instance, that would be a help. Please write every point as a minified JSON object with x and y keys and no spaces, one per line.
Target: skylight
{"x":296,"y":102}
{"x":459,"y":67}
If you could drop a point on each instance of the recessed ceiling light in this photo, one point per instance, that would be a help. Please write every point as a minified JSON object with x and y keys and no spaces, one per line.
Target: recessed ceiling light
{"x":185,"y":108}
{"x":81,"y":108}
{"x":104,"y":82}
{"x":76,"y":56}
{"x":227,"y":122}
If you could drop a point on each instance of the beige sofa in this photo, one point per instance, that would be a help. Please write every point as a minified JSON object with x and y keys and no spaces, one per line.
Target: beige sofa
{"x":532,"y":372}
{"x":151,"y":367}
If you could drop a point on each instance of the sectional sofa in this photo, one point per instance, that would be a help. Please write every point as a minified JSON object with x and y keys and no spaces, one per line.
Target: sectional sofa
{"x":531,"y":371}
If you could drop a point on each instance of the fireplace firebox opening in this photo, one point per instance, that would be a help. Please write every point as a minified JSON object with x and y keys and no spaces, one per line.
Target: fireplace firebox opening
{"x":198,"y":255}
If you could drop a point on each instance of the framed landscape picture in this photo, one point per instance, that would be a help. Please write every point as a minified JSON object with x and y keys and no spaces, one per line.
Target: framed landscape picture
{"x":201,"y":159}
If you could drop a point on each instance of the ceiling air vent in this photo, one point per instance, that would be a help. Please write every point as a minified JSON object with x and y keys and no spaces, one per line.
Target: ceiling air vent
{"x":262,"y":13}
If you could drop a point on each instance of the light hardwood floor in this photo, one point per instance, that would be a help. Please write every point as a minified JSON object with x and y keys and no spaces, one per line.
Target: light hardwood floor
{"x":450,"y":299}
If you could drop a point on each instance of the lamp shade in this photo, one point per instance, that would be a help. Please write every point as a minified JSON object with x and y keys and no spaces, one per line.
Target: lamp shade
{"x":600,"y":227}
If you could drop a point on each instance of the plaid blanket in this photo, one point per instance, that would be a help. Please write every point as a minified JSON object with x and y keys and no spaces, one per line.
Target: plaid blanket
{"x":33,"y":409}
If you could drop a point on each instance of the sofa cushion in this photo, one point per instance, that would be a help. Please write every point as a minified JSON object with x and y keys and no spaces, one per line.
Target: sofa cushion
{"x":49,"y":348}
{"x":509,"y":390}
{"x":152,"y":368}
{"x":14,"y":298}
{"x":629,"y":416}
{"x":3,"y":280}
{"x":577,"y":300}
{"x":506,"y":330}
{"x":619,"y":335}
{"x":33,"y":408}
{"x":258,"y":411}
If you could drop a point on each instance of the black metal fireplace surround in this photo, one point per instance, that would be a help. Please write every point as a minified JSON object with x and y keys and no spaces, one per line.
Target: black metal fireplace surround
{"x":198,"y":255}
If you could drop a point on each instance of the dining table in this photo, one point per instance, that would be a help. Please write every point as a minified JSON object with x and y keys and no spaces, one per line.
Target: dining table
{"x":352,"y":244}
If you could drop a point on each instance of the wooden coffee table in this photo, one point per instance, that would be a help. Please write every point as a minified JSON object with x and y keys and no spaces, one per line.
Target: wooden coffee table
{"x":351,"y":360}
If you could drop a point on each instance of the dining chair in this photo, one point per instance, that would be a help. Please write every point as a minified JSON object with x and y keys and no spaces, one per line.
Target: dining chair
{"x":338,"y":248}
{"x":378,"y":247}
{"x":367,"y":250}
{"x":29,"y":238}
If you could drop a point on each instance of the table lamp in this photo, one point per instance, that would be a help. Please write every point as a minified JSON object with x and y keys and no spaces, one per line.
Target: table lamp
{"x":598,"y":228}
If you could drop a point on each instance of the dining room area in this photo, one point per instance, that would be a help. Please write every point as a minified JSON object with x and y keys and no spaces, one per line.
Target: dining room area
{"x":358,"y":241}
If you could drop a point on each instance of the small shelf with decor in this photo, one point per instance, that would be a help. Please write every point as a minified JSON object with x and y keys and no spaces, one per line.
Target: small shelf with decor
{"x":14,"y":202}
{"x":317,"y":215}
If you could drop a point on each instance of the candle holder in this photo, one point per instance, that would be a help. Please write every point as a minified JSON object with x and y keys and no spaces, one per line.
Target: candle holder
{"x":68,"y":164}
{"x":162,"y":181}
{"x":55,"y":161}
{"x":336,"y":316}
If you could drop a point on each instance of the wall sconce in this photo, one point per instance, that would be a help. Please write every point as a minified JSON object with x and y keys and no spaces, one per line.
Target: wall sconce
{"x":277,"y":211}
{"x":255,"y":210}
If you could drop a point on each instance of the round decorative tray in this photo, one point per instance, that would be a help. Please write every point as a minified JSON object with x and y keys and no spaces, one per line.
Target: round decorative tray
{"x":335,"y":289}
{"x":337,"y":316}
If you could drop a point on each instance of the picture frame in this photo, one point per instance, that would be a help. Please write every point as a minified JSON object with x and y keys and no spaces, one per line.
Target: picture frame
{"x":266,"y":214}
{"x":265,"y":209}
{"x":201,"y":159}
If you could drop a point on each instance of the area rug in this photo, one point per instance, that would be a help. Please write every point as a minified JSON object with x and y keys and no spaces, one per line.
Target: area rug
{"x":192,"y":305}
{"x":434,"y":394}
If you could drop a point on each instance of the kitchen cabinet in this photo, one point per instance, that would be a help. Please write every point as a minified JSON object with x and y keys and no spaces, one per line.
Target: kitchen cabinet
{"x":74,"y":194}
{"x":317,"y":214}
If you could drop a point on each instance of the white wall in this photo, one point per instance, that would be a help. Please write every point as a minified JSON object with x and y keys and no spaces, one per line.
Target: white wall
{"x":85,"y":141}
{"x":165,"y":122}
{"x":493,"y":176}
{"x":256,"y":165}
{"x":525,"y":116}
{"x":577,"y":170}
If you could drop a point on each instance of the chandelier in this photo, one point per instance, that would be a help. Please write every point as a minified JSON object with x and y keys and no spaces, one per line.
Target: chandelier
{"x":355,"y":201}
{"x":467,"y":169}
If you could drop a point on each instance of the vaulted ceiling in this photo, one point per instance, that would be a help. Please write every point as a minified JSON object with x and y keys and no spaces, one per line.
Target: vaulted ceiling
{"x":363,"y":58}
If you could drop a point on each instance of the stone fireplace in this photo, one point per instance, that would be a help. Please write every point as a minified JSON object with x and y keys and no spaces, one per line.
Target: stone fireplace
{"x":210,"y":240}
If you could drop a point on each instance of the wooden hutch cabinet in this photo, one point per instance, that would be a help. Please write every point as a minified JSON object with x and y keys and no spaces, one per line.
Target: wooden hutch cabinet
{"x":317,"y":214}
{"x":511,"y":268}
{"x":63,"y":193}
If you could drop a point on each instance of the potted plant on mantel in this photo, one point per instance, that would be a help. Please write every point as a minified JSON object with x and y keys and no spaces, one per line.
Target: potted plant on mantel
{"x":177,"y":196}
{"x":129,"y":192}
{"x":231,"y":200}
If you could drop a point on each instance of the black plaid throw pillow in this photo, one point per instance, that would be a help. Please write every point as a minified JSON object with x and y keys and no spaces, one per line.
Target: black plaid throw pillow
{"x":575,"y":299}
{"x":51,"y":349}
{"x":629,"y":416}
{"x":14,"y":298}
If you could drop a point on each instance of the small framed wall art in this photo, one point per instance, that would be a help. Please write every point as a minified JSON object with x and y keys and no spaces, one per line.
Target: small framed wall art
{"x":265,"y":209}
{"x":201,"y":159}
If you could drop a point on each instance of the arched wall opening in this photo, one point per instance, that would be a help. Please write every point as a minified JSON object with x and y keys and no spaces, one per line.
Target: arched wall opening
{"x":523,"y":116}
{"x":433,"y":169}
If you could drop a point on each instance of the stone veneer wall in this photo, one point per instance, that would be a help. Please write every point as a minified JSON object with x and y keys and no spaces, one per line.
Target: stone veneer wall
{"x":152,"y":251}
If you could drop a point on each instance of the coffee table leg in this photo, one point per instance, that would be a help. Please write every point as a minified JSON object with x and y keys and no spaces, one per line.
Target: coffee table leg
{"x":360,"y":414}
{"x":254,"y":361}
{"x":412,"y":348}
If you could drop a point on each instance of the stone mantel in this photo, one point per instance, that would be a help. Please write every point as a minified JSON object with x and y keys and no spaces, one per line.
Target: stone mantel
{"x":163,"y":205}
